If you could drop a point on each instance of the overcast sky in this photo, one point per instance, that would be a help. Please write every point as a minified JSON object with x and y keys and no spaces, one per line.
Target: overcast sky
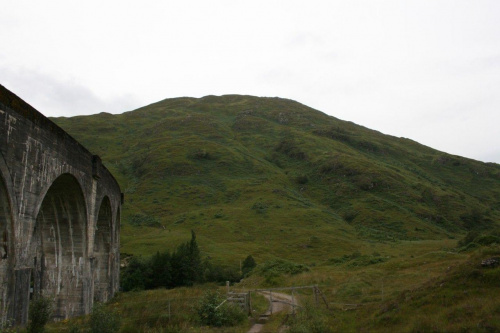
{"x":425,"y":70}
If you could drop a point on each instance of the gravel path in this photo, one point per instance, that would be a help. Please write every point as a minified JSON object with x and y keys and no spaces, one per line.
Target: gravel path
{"x":278,"y":304}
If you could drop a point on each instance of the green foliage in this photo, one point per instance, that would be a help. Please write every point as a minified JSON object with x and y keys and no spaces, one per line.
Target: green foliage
{"x":424,"y":285}
{"x":40,"y":311}
{"x":8,"y":327}
{"x":144,"y":220}
{"x":302,"y":179}
{"x":213,"y":311}
{"x":103,"y":320}
{"x":469,"y":238}
{"x":183,"y":267}
{"x":213,"y":155}
{"x":181,"y":162}
{"x":290,"y":148}
{"x":275,"y":270}
{"x":201,"y":154}
{"x":248,"y":265}
{"x":310,"y":319}
{"x":208,"y":309}
{"x":220,"y":274}
{"x":185,"y":161}
{"x":74,"y":328}
{"x":349,"y":215}
{"x":356,"y":259}
{"x":136,"y":275}
{"x":474,"y":219}
{"x":487,"y":240}
{"x":260,"y":207}
{"x":474,"y":239}
{"x":281,"y":266}
{"x":186,"y":263}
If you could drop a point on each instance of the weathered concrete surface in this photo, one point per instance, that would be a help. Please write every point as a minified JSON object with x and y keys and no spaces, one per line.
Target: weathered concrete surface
{"x":59,"y":217}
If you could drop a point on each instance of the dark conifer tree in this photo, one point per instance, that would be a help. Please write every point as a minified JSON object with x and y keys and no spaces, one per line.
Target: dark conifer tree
{"x":136,"y":276}
{"x":248,"y":265}
{"x":161,"y":271}
{"x":195,"y":264}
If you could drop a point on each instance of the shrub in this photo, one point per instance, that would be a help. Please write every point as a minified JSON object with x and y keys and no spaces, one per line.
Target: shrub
{"x":337,"y":165}
{"x":474,"y":219}
{"x":335,"y":133}
{"x":290,"y":148}
{"x":260,"y":207}
{"x":349,"y":215}
{"x":309,"y":319}
{"x":220,"y":274}
{"x":248,"y":265}
{"x":201,"y":154}
{"x":280,"y":266}
{"x":366,"y":261}
{"x":469,"y":238}
{"x":103,"y":320}
{"x":74,"y":328}
{"x":136,"y":275}
{"x":39,"y":314}
{"x":7,"y":327}
{"x":356,"y":259}
{"x":468,"y":247}
{"x":183,"y":267}
{"x":365,"y":182}
{"x":487,"y":240}
{"x":144,"y":220}
{"x":211,"y":311}
{"x":301,"y":179}
{"x":475,"y":239}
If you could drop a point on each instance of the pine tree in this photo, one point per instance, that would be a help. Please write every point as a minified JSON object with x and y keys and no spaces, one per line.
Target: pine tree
{"x":161,"y":271}
{"x":195,"y":259}
{"x":248,"y":265}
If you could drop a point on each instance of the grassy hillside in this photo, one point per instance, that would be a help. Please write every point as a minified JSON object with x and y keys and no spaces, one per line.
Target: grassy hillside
{"x":274,"y":178}
{"x":376,"y":218}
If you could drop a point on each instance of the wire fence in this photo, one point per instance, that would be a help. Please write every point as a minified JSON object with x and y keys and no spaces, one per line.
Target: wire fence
{"x":349,"y":295}
{"x":161,"y":312}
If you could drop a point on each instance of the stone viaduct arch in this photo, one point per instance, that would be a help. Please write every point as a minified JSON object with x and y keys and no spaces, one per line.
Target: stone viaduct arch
{"x":59,"y":217}
{"x":6,"y":238}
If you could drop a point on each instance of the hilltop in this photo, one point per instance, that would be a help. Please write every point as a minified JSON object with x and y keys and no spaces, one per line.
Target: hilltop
{"x":393,"y":231}
{"x":275,"y":178}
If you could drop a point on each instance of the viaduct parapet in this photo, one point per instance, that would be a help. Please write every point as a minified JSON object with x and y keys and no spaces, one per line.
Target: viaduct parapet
{"x":59,"y":217}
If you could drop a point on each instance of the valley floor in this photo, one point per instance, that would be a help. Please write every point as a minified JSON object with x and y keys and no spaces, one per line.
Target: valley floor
{"x":431,"y":288}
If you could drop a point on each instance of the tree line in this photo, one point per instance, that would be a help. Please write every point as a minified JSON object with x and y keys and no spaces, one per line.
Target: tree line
{"x":183,"y":267}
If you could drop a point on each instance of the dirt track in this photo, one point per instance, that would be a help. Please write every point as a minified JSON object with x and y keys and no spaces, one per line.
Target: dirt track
{"x":278,"y":304}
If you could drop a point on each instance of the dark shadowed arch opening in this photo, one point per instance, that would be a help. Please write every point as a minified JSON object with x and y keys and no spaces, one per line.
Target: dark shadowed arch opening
{"x":59,"y":240}
{"x":102,"y":251}
{"x":116,"y":251}
{"x":5,"y":250}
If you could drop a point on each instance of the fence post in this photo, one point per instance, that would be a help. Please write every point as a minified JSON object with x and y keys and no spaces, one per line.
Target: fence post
{"x":323,"y":297}
{"x":315,"y":288}
{"x":293,"y":302}
{"x":249,"y":295}
{"x":271,"y":299}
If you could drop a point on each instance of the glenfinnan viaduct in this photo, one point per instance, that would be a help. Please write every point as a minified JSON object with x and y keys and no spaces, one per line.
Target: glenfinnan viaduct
{"x":59,"y":217}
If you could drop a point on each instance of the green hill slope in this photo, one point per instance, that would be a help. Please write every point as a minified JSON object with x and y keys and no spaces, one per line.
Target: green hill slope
{"x":274,"y":178}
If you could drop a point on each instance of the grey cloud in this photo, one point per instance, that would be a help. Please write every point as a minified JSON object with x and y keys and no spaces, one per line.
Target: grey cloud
{"x":54,"y":97}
